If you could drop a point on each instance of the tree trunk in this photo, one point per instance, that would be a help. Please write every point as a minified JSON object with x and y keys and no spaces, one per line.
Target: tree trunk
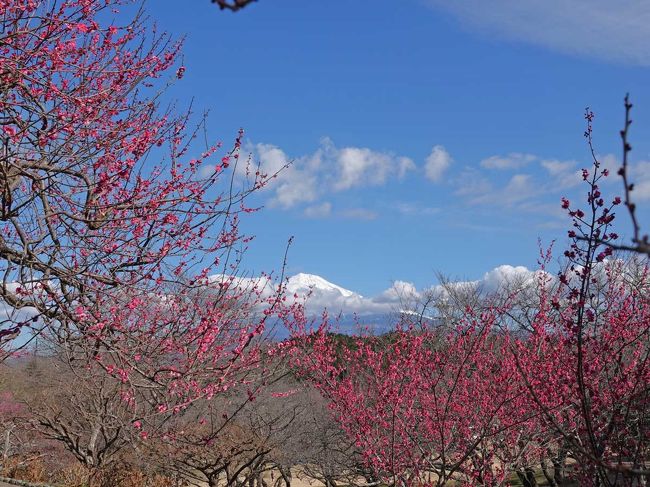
{"x":5,"y":453}
{"x":527,"y":477}
{"x":550,"y":475}
{"x":286,"y":475}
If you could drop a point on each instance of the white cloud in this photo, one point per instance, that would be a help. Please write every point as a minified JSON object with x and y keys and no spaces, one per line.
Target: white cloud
{"x":359,"y":166}
{"x":479,"y":190}
{"x":522,"y":190}
{"x":514,"y":160}
{"x":365,"y":167}
{"x":502,"y":278}
{"x":564,"y":172}
{"x":295,"y":183}
{"x":404,"y":165}
{"x":471,"y":184}
{"x":272,"y":159}
{"x":520,"y":187}
{"x":611,"y":30}
{"x":318,"y":211}
{"x":437,"y":163}
{"x":400,"y":292}
{"x":640,"y":176}
{"x":559,"y":169}
{"x":307,"y":178}
{"x":264,"y":284}
{"x":609,"y":162}
{"x":638,"y":173}
{"x":508,"y":276}
{"x":295,"y":188}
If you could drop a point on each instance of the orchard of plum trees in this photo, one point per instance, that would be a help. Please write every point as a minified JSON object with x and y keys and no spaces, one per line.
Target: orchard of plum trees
{"x":151,"y":369}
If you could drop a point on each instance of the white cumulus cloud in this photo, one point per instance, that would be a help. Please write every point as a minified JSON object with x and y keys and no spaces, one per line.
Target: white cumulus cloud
{"x":399,"y":292}
{"x":365,"y":167}
{"x":307,"y":178}
{"x":508,"y":276}
{"x":437,"y":163}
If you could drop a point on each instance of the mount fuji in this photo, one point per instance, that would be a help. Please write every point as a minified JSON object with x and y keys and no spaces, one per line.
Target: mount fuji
{"x":349,"y":311}
{"x":304,"y":283}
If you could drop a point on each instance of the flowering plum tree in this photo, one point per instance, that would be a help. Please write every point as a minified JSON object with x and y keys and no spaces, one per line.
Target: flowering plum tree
{"x":109,"y":231}
{"x":428,"y":406}
{"x":586,"y":363}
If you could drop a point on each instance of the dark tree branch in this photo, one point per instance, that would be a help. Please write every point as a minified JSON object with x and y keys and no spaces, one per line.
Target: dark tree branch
{"x":641,"y":244}
{"x":232,"y":5}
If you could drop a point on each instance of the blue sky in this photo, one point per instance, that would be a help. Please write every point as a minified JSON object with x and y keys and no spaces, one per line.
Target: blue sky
{"x":424,"y":137}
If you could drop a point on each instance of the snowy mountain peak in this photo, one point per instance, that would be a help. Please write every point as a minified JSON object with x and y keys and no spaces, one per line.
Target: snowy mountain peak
{"x":303,"y":283}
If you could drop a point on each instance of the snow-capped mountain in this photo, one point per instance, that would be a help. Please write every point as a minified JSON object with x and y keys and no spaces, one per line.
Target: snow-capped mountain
{"x":302,"y":284}
{"x":348,"y":311}
{"x":380,"y":312}
{"x":320,"y":294}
